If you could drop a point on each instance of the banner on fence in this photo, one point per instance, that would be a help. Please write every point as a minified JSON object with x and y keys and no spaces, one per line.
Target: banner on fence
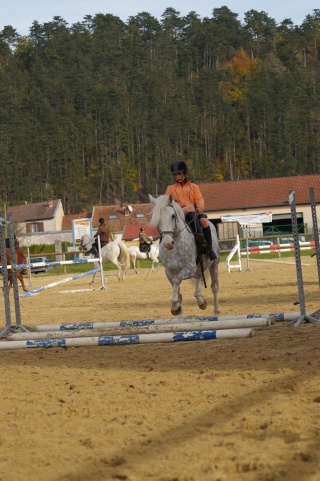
{"x":80,"y":227}
{"x":248,"y":219}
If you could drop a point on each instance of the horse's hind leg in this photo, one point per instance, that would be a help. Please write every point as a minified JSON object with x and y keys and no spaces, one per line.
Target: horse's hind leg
{"x":201,"y":301}
{"x":214,"y":272}
{"x":22,"y":282}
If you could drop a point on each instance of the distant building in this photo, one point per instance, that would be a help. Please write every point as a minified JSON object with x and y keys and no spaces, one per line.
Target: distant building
{"x":38,"y":217}
{"x":44,"y":222}
{"x":260,"y":195}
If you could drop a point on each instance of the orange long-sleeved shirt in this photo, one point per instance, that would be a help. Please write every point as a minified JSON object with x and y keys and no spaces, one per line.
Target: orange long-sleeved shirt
{"x":186,"y":194}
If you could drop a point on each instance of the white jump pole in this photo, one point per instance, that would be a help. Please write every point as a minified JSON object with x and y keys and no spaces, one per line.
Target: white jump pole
{"x":128,"y":339}
{"x":55,"y":263}
{"x":147,"y":322}
{"x":113,"y":331}
{"x":57,"y":283}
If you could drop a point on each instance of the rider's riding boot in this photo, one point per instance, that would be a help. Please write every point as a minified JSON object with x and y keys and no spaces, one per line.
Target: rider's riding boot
{"x":196,"y":229}
{"x":207,"y":234}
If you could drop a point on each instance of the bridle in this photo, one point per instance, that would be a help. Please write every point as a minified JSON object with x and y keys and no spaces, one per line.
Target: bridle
{"x":175,"y":232}
{"x":83,"y":246}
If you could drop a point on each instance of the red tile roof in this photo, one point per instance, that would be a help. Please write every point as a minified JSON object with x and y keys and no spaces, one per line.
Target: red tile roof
{"x":140,"y":216}
{"x":38,"y":211}
{"x":267,"y":193}
{"x":67,"y":219}
{"x":132,"y":232}
{"x":219,"y":196}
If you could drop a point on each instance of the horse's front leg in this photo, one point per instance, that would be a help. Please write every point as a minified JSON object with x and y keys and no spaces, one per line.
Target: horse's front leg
{"x":175,"y":280}
{"x":176,"y":300}
{"x":201,"y":301}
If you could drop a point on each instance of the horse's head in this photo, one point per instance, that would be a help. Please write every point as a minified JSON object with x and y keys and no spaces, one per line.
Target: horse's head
{"x":167,"y":215}
{"x":85,"y":243}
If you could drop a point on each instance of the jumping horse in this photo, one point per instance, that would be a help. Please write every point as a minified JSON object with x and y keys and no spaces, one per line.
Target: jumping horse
{"x":179,"y":253}
{"x":115,"y":252}
{"x":20,"y":259}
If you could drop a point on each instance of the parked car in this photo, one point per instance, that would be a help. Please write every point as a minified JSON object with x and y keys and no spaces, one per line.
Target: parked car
{"x":37,"y":269}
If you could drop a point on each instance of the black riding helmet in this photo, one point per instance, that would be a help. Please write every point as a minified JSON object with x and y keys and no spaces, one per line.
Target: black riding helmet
{"x":179,"y":166}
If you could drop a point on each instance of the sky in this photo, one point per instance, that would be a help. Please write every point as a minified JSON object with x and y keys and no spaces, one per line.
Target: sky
{"x":20,"y":14}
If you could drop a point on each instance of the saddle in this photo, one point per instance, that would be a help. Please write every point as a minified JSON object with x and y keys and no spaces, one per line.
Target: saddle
{"x":145,"y":248}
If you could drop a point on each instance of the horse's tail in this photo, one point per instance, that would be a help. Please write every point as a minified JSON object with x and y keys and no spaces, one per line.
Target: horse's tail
{"x":124,"y":252}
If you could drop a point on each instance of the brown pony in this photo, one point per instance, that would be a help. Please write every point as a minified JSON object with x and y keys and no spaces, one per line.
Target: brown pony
{"x":20,"y":259}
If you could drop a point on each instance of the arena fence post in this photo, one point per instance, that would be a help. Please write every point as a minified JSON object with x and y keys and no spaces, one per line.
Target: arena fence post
{"x":304,"y":317}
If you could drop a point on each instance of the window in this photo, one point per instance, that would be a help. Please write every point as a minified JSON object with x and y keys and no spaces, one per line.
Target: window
{"x":113,"y":217}
{"x":140,"y":216}
{"x":34,"y":227}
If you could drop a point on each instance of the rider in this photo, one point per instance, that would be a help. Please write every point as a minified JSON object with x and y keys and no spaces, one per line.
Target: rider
{"x":189,"y":197}
{"x":103,"y":232}
{"x":144,"y":241}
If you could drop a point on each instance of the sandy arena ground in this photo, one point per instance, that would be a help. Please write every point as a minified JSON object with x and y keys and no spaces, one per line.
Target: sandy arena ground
{"x":238,"y":409}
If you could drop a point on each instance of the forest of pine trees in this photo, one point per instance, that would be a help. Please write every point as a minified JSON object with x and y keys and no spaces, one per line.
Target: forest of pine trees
{"x":96,"y":112}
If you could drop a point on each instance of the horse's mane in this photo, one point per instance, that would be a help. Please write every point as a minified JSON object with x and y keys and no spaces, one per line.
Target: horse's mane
{"x":161,"y":202}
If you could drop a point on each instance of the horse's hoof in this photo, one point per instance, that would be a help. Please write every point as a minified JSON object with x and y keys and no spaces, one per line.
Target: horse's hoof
{"x":177,"y":312}
{"x":204,"y":305}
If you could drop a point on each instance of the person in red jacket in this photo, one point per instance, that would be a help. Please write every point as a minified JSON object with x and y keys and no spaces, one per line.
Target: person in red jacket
{"x":189,"y":197}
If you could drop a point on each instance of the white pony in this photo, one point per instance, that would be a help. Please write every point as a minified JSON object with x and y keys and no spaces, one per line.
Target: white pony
{"x":115,"y":252}
{"x":178,"y":253}
{"x":136,"y":255}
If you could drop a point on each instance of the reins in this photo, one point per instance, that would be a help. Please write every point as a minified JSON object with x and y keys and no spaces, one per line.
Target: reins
{"x":175,"y":233}
{"x":85,"y":245}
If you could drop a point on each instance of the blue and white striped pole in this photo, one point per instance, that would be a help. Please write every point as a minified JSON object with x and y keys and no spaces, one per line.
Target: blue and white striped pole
{"x":54,"y":263}
{"x":128,"y":339}
{"x":57,"y":283}
{"x":114,"y":331}
{"x":148,"y":322}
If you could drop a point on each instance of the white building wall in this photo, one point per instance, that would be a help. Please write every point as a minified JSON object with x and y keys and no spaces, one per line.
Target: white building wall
{"x":58,"y":217}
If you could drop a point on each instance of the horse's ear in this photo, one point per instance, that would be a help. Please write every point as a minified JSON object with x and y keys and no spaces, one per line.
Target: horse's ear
{"x":170,"y":199}
{"x":152,"y":199}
